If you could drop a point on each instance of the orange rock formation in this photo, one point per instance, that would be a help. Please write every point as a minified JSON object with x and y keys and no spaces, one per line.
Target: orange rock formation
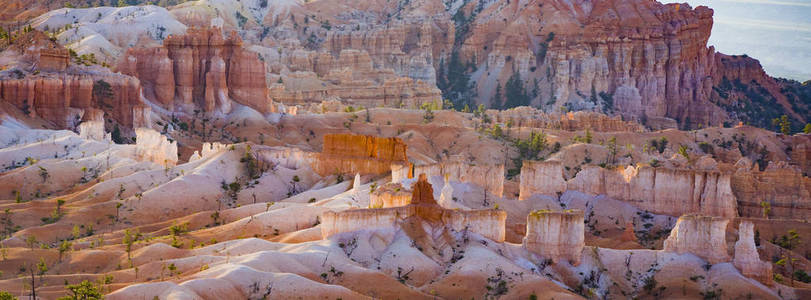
{"x":389,"y":195}
{"x":489,"y":223}
{"x":52,"y":97}
{"x":349,"y":154}
{"x":200,"y":68}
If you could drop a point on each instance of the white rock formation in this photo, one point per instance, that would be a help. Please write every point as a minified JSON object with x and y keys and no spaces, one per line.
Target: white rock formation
{"x":556,"y":235}
{"x":747,"y":259}
{"x":446,"y":197}
{"x":703,"y":236}
{"x":207,"y":150}
{"x":489,"y":177}
{"x":151,"y":145}
{"x":356,"y":186}
{"x":659,"y":190}
{"x":94,"y":130}
{"x":541,"y":177}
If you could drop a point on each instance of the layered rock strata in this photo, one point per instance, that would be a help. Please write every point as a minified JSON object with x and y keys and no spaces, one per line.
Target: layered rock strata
{"x":556,"y":235}
{"x":660,"y":190}
{"x":783,"y":186}
{"x":747,"y":259}
{"x":53,"y":60}
{"x":62,"y":98}
{"x":572,"y":121}
{"x":351,"y":77}
{"x":389,"y":195}
{"x":541,"y":178}
{"x":704,"y":236}
{"x":489,"y":177}
{"x":200,"y":69}
{"x":347,"y":153}
{"x":489,"y":223}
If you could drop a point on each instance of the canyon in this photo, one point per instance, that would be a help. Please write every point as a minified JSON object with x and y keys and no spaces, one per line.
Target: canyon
{"x":438,"y":149}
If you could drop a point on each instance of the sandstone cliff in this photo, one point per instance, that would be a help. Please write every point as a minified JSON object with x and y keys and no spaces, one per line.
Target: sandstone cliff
{"x":639,"y":59}
{"x":200,"y":69}
{"x":347,"y":153}
{"x":703,"y":236}
{"x":489,"y":177}
{"x":62,"y":98}
{"x":93,"y":127}
{"x":389,"y":195}
{"x":572,"y":121}
{"x":556,"y":235}
{"x":350,"y":77}
{"x":783,"y":186}
{"x":660,"y":190}
{"x":747,"y":259}
{"x":423,"y":211}
{"x":541,"y":178}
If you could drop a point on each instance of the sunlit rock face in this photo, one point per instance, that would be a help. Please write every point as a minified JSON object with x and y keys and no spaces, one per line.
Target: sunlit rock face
{"x":347,"y":153}
{"x":489,"y":177}
{"x":489,"y":223}
{"x":661,"y":190}
{"x":151,"y":145}
{"x":389,"y":195}
{"x":556,"y":235}
{"x":747,"y":259}
{"x":704,"y":236}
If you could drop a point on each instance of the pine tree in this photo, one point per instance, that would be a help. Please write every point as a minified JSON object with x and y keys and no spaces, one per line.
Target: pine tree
{"x":496,"y":102}
{"x":515,"y":92}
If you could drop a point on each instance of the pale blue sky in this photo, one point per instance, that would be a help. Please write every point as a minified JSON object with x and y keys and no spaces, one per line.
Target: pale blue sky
{"x":776,"y":32}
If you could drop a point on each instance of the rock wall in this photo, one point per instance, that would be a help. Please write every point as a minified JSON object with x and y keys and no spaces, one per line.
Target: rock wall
{"x":53,"y":60}
{"x":541,"y":178}
{"x":556,"y":235}
{"x":409,"y":47}
{"x":347,"y":153}
{"x":153,"y":146}
{"x":525,"y":116}
{"x":747,"y":259}
{"x":351,"y":77}
{"x":389,"y":195}
{"x":200,"y":69}
{"x":801,"y":152}
{"x":640,"y":59}
{"x":365,"y":146}
{"x":704,"y":236}
{"x":56,"y":97}
{"x":667,"y":191}
{"x":489,"y":177}
{"x":488,"y":223}
{"x":93,"y":127}
{"x":783,"y":186}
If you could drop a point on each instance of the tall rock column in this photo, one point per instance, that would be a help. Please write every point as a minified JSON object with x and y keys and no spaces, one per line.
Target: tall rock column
{"x":556,"y":235}
{"x":703,"y":236}
{"x":746,"y":256}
